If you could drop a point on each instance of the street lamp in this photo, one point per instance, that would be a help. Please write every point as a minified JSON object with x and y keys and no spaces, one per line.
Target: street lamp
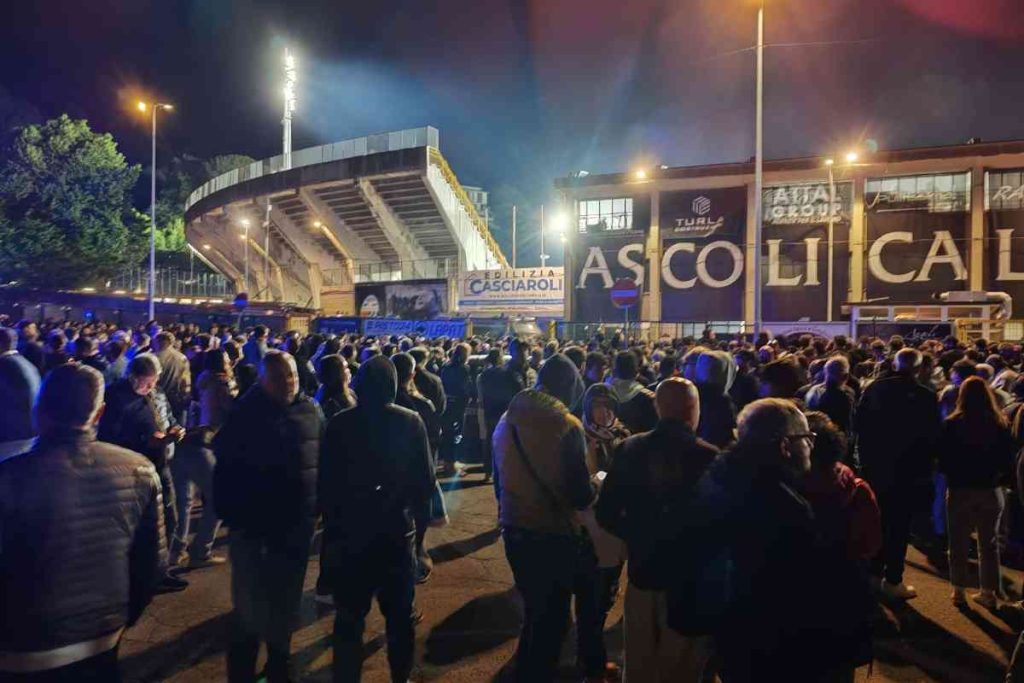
{"x":851,"y":158}
{"x":758,"y":165}
{"x":245,"y":236}
{"x":153,"y":107}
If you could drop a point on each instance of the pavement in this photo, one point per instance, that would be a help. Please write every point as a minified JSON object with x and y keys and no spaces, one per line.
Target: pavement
{"x":472,"y":615}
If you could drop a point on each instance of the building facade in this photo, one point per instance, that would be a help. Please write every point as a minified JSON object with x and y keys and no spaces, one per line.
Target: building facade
{"x":896,"y":226}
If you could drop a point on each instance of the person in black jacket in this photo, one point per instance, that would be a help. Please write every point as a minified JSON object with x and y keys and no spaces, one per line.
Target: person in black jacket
{"x":636,"y":402}
{"x":427,"y":382}
{"x":60,"y":593}
{"x":714,"y":375}
{"x":19,"y":384}
{"x":137,"y":416}
{"x":265,"y":490}
{"x":407,"y":396}
{"x":832,"y":396}
{"x":458,"y":388}
{"x":375,"y":470}
{"x":897,"y":425}
{"x":653,"y":476}
{"x":759,"y":536}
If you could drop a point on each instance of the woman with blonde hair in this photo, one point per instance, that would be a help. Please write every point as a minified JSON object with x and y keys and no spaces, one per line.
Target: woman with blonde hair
{"x":976,"y":456}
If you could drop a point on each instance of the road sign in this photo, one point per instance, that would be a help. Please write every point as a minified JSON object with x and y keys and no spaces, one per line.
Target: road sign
{"x":625,"y":293}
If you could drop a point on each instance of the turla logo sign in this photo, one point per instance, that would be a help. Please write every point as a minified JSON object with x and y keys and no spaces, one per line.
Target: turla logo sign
{"x":702,"y":258}
{"x":699,"y":222}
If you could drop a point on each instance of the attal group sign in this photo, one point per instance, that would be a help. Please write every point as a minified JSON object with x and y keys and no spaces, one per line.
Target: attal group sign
{"x":536,"y":291}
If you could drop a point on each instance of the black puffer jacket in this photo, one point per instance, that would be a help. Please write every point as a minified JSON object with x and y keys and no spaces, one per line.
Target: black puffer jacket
{"x":265,"y":478}
{"x":130,"y":421}
{"x":82,"y":544}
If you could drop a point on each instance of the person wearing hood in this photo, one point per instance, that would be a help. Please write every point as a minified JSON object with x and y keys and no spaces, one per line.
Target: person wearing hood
{"x":375,"y":472}
{"x":636,"y":402}
{"x":408,"y":396}
{"x":714,"y":374}
{"x":542,"y":480}
{"x":597,"y":582}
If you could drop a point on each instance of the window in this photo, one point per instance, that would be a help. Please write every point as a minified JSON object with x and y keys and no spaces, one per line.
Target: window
{"x":600,"y":215}
{"x":939,"y":193}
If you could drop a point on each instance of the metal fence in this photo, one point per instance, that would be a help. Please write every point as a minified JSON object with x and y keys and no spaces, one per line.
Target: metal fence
{"x":650,"y":330}
{"x":173,"y":282}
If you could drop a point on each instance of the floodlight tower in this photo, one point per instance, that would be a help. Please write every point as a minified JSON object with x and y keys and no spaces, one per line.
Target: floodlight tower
{"x":290,"y":74}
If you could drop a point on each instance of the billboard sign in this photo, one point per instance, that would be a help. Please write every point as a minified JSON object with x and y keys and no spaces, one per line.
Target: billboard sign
{"x":383,"y":327}
{"x":410,"y":299}
{"x":916,"y":235}
{"x":598,"y":261}
{"x":1004,"y":234}
{"x":703,"y":256}
{"x":795,"y":252}
{"x":534,"y":291}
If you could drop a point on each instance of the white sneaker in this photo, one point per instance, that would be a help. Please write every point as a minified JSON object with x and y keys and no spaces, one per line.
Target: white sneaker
{"x":898,"y":591}
{"x":324,"y":599}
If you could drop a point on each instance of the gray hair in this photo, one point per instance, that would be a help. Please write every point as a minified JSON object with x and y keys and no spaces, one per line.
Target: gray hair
{"x":144,"y":365}
{"x":907,"y":359}
{"x":71,"y":396}
{"x":767,"y":419}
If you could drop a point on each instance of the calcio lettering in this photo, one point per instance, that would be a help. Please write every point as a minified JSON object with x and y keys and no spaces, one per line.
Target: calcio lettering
{"x":943,"y":251}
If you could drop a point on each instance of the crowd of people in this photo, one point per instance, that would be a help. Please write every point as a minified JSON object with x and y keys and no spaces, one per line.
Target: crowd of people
{"x":760,"y":493}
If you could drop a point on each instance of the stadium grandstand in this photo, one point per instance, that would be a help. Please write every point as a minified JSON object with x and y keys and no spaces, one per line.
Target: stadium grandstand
{"x":380,"y":208}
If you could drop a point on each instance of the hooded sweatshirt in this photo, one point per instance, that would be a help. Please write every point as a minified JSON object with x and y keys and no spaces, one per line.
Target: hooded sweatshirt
{"x":714,"y":375}
{"x":636,"y":405}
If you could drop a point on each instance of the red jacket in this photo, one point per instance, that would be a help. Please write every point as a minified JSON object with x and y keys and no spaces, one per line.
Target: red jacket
{"x":846,"y":510}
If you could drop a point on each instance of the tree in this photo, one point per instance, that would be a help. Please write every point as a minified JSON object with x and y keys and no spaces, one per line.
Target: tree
{"x":66,"y":217}
{"x":176,"y":182}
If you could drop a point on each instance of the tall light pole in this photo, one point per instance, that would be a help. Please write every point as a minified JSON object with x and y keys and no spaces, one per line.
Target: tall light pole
{"x":851,"y":157}
{"x":543,"y":254}
{"x":152,"y":206}
{"x":513,"y":235}
{"x":245,"y":236}
{"x":758,"y":167}
{"x":290,"y":78}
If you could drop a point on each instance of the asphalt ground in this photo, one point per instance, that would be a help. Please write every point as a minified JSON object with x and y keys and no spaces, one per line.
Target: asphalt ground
{"x":471,"y":616}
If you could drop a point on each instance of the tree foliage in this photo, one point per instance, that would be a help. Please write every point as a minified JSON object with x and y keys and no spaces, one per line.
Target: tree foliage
{"x":176,"y":182}
{"x":66,"y":217}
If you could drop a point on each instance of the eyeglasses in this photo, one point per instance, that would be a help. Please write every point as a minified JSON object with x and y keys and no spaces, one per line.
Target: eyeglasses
{"x":810,"y":436}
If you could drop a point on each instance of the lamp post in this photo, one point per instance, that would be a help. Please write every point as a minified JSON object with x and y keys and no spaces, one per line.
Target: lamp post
{"x":758,"y":166}
{"x":245,"y":237}
{"x":152,"y":206}
{"x":851,"y":157}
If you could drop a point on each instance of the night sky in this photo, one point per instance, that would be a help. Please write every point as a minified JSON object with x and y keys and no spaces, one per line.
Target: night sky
{"x":523,"y":92}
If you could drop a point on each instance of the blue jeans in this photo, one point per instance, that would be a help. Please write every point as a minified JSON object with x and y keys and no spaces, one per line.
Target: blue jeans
{"x":544,"y":567}
{"x":194,"y":465}
{"x":267,"y":575}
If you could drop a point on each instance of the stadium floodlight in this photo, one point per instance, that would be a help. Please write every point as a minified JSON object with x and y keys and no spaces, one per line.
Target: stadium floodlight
{"x":290,"y":103}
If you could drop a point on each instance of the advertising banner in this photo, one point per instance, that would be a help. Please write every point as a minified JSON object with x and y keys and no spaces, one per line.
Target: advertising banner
{"x":795,"y":250}
{"x":702,"y":259}
{"x":917,"y":230}
{"x":1004,"y":235}
{"x":428,"y":328}
{"x":410,"y":299}
{"x":598,"y":261}
{"x":531,"y":291}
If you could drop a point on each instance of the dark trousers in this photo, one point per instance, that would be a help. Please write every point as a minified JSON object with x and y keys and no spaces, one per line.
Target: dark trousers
{"x":267,"y":576}
{"x":101,"y":668}
{"x":385,"y":569}
{"x":170,"y":502}
{"x":897,"y":506}
{"x":544,"y":567}
{"x":594,"y":590}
